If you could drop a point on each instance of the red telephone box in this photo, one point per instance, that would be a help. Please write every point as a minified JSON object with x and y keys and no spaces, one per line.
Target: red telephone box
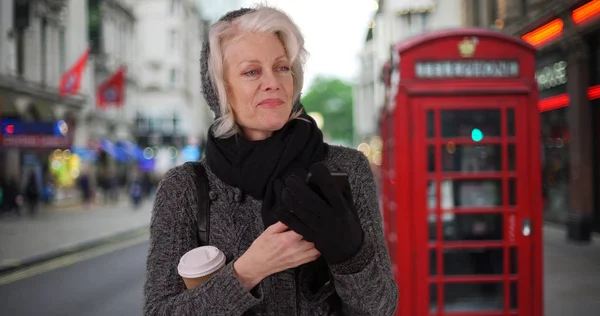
{"x":461,"y":175}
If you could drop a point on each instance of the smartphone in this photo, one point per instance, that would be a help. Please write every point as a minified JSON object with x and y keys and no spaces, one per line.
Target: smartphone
{"x":340,"y":178}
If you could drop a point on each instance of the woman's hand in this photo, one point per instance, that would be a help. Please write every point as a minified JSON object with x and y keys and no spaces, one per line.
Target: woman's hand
{"x":275,"y":250}
{"x":323,"y":214}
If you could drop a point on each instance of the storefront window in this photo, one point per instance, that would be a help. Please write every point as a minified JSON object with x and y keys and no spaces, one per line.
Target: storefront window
{"x":555,"y":164}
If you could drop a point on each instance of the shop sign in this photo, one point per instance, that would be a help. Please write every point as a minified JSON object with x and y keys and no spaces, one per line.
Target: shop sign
{"x":21,"y":127}
{"x":467,"y":69}
{"x":551,"y":73}
{"x":552,"y":76}
{"x":36,"y":141}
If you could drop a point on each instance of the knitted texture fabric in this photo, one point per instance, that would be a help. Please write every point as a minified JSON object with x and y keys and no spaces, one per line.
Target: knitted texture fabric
{"x":364,"y":283}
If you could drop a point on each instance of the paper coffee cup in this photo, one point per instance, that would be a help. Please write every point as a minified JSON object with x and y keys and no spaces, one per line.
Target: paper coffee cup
{"x":200,"y":264}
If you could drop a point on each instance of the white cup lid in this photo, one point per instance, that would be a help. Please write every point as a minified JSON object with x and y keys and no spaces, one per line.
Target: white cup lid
{"x":200,"y":261}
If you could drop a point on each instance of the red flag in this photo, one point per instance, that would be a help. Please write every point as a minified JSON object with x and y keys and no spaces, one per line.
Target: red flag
{"x":70,"y":82}
{"x":112,"y":90}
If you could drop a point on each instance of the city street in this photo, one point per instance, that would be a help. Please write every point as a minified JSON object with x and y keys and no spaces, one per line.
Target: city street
{"x":110,"y":284}
{"x":108,"y":280}
{"x":55,"y":232}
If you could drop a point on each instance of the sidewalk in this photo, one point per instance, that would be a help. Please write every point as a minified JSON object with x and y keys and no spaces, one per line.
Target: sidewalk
{"x":571,"y":275}
{"x":61,"y":230}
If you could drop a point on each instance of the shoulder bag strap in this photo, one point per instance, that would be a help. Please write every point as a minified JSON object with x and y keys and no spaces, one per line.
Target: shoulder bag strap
{"x":203,"y":203}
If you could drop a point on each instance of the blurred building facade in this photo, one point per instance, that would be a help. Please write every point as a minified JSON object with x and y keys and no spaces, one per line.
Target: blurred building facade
{"x":566,"y":34}
{"x":394,"y":21}
{"x":172,"y":118}
{"x":112,"y":39}
{"x":109,"y":34}
{"x":39,"y":41}
{"x":213,"y":10}
{"x":157,"y":42}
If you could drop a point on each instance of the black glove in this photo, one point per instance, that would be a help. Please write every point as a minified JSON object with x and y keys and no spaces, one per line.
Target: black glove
{"x":322,"y":215}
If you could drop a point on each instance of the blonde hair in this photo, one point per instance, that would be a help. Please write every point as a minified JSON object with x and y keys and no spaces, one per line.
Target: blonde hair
{"x":263,"y":19}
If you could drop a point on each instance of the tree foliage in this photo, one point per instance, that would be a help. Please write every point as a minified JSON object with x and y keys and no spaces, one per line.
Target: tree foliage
{"x":332,"y":97}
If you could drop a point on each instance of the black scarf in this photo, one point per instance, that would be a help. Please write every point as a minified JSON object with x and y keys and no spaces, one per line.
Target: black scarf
{"x":253,"y":166}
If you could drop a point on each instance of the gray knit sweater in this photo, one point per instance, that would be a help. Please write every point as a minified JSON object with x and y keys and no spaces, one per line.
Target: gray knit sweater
{"x":364,"y":283}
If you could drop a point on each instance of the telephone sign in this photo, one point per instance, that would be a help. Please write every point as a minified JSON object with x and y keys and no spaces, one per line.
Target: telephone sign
{"x":467,"y":69}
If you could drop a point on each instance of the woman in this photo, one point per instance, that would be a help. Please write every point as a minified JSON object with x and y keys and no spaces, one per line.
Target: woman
{"x":291,"y":248}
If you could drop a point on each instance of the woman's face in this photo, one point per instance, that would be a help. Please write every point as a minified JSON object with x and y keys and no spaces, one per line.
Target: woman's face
{"x":260,"y":86}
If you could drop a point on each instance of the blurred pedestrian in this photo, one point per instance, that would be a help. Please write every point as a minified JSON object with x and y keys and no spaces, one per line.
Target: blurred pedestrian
{"x":136,"y":191}
{"x":290,"y":248}
{"x":12,"y":197}
{"x":85,"y":187}
{"x":32,"y":194}
{"x":147,"y":185}
{"x":2,"y":188}
{"x":103,"y":184}
{"x":113,"y":186}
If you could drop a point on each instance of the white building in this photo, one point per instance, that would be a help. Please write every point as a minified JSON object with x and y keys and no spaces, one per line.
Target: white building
{"x":395,"y":21}
{"x":39,"y":41}
{"x":172,"y":112}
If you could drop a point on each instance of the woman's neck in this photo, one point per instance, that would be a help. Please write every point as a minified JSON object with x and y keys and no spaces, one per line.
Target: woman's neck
{"x":255,"y":135}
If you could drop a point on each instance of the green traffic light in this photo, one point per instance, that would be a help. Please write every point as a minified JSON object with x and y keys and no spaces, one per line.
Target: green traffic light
{"x":476,"y":135}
